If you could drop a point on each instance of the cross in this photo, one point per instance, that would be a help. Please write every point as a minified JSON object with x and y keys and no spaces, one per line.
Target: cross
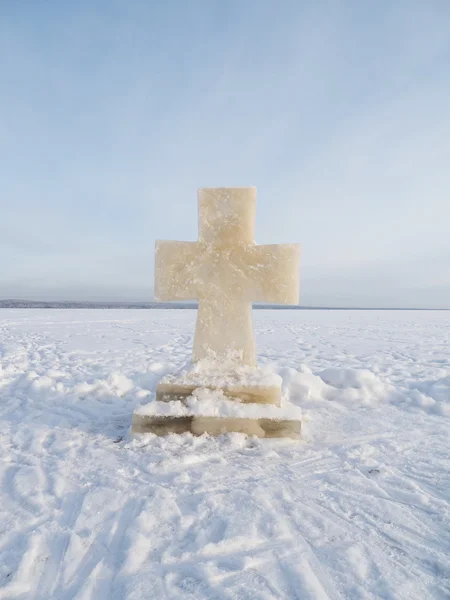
{"x":226,"y":271}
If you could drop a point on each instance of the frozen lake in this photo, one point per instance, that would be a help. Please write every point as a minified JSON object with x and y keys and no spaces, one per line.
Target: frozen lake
{"x":359,"y":509}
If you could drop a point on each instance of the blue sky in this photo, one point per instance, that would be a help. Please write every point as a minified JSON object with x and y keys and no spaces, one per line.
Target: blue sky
{"x":113,"y":113}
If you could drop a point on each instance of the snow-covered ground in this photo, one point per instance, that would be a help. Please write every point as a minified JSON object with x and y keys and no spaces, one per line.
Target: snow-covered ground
{"x":358,"y":509}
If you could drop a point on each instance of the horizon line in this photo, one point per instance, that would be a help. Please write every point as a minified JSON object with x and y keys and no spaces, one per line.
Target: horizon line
{"x":189,"y":305}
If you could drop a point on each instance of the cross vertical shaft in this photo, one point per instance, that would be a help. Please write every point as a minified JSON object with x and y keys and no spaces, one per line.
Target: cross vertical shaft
{"x":228,"y":321}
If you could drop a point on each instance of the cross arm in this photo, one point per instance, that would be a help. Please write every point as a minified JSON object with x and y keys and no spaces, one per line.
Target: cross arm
{"x":274,"y":273}
{"x":175,"y":270}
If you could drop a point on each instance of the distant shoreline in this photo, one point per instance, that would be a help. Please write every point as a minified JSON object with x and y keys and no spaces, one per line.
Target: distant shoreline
{"x":13,"y":303}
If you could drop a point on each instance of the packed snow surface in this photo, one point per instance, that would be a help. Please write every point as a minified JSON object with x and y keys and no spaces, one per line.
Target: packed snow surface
{"x":358,"y":509}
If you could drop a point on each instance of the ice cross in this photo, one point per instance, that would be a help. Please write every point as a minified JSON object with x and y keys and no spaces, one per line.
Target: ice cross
{"x":226,"y":271}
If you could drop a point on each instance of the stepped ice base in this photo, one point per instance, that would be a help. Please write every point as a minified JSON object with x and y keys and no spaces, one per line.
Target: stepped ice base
{"x":211,"y":411}
{"x":215,"y":398}
{"x":169,"y":392}
{"x":215,"y":425}
{"x":246,"y":384}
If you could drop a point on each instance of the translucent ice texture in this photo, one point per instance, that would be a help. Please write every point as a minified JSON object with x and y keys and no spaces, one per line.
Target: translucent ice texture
{"x":226,"y":271}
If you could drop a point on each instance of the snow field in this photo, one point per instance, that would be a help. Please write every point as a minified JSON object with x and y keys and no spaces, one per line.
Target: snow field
{"x":358,"y":509}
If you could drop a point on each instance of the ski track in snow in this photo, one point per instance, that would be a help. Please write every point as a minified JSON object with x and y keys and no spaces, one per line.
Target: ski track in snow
{"x":358,"y":509}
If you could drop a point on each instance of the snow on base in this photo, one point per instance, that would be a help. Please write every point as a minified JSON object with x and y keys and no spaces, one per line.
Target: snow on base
{"x":212,"y":403}
{"x":359,"y":508}
{"x":224,"y":373}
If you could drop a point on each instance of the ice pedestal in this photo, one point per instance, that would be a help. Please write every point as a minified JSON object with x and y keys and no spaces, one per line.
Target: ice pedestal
{"x":198,"y":425}
{"x":235,"y":380}
{"x":208,"y":399}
